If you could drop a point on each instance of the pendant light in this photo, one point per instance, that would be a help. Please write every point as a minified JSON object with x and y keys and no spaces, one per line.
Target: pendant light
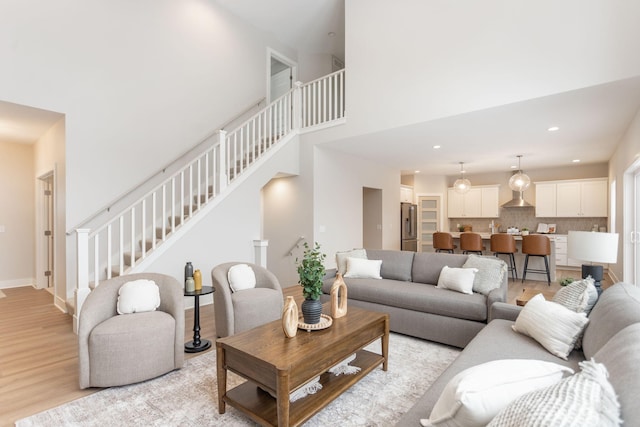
{"x":462,"y":185}
{"x":519,"y":181}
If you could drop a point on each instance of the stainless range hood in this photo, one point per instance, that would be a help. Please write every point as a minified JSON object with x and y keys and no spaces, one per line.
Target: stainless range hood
{"x":517,"y":201}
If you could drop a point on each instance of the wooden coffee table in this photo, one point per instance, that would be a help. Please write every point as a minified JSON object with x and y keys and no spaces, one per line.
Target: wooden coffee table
{"x":529,"y":293}
{"x":265,"y":357}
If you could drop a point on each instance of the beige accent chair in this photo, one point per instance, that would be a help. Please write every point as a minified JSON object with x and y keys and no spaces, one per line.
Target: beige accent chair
{"x":115,"y":349}
{"x":243,"y":310}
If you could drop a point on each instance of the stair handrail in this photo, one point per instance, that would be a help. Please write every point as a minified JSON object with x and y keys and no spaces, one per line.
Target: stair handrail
{"x":181,"y":157}
{"x":244,"y":145}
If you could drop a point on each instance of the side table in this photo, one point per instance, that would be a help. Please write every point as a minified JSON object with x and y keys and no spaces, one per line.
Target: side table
{"x":197,"y":345}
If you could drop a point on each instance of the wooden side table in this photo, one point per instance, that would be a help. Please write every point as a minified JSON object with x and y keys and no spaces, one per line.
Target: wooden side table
{"x":197,"y":345}
{"x":527,"y":294}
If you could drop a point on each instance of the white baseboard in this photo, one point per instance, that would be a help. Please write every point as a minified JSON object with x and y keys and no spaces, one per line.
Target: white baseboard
{"x":60,"y":304}
{"x":17,"y":283}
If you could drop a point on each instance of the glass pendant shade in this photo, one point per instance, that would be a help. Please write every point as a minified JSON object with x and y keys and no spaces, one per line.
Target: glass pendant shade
{"x":462,"y":184}
{"x":519,"y":181}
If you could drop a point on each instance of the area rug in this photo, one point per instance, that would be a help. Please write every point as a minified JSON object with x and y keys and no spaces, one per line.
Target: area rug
{"x":188,"y":397}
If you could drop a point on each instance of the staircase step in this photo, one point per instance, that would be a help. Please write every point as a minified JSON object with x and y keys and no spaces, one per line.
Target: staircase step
{"x":127,"y":258}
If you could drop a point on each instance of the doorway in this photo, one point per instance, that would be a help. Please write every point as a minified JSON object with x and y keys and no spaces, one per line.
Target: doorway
{"x":429,"y":220}
{"x":45,"y":232}
{"x":631,"y":224}
{"x":371,"y":218}
{"x":282,"y":72}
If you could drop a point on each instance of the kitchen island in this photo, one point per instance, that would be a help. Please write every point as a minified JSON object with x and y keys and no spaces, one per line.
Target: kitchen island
{"x":534,"y":262}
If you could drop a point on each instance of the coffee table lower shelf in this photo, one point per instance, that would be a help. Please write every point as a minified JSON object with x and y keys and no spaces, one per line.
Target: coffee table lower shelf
{"x":262,"y":407}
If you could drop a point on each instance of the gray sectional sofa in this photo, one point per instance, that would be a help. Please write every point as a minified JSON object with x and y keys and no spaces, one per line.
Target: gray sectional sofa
{"x":612,"y":337}
{"x":407,"y":291}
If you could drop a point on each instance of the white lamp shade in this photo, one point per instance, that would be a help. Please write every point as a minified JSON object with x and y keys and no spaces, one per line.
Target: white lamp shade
{"x":519,"y":182}
{"x":593,"y":246}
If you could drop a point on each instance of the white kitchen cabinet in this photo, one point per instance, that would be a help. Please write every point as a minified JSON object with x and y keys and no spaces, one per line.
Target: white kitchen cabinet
{"x":406,"y":194}
{"x":479,"y":202}
{"x":572,"y":198}
{"x":545,"y":200}
{"x":582,"y":198}
{"x":490,"y":202}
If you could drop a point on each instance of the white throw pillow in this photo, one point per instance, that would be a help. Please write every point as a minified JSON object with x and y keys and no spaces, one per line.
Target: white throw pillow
{"x":138,"y":296}
{"x":476,"y":395}
{"x":554,"y":326}
{"x":341,"y":258}
{"x":358,"y":268}
{"x":586,"y":399}
{"x":241,"y":277}
{"x":457,"y":279}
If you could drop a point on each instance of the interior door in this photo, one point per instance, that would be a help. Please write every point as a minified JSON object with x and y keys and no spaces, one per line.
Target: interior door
{"x":428,"y":221}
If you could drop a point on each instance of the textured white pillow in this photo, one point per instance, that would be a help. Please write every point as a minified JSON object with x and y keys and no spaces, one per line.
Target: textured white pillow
{"x":554,"y":326}
{"x":476,"y":395}
{"x":138,"y":296}
{"x":585,"y":399}
{"x":341,"y":258}
{"x":579,"y":296}
{"x":491,"y":271}
{"x":457,"y":279}
{"x":358,"y":268}
{"x":241,"y":277}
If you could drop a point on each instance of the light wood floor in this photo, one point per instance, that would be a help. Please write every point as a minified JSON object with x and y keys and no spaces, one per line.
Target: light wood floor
{"x":39,"y":356}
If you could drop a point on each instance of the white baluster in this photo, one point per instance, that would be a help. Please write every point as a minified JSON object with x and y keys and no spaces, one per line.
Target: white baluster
{"x":222,"y":165}
{"x":82,"y":289}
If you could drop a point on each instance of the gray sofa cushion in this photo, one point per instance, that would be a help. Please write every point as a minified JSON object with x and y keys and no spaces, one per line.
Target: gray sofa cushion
{"x":620,"y":356}
{"x":617,"y":308}
{"x":427,"y":266}
{"x":396,"y":265}
{"x":416,"y":296}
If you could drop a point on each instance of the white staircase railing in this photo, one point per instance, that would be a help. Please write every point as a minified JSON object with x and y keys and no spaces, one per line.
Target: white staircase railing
{"x":133,"y":234}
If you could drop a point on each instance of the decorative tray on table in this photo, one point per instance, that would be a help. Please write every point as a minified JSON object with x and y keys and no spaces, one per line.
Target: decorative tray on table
{"x":325,"y":322}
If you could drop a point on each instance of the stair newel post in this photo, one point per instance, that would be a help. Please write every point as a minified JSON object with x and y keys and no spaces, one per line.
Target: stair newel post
{"x":221,"y":167}
{"x":260,"y":250}
{"x":297,"y":106}
{"x":82,"y":261}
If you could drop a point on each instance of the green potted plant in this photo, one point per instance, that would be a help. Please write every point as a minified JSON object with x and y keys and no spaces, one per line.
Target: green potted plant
{"x":311,"y":272}
{"x":524,"y":231}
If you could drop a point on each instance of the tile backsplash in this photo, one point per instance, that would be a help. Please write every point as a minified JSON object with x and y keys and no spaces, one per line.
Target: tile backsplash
{"x":525,"y":217}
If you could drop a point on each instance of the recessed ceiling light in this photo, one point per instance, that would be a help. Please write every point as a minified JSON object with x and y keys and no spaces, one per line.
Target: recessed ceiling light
{"x":435,"y":147}
{"x":576,"y":160}
{"x":514,"y":167}
{"x":553,"y":128}
{"x":416,"y":171}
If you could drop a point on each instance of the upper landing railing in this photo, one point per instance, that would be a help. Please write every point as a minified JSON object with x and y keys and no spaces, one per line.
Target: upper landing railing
{"x":125,"y":240}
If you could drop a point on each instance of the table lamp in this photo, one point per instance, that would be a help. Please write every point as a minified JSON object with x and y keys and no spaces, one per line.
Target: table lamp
{"x":593,"y":247}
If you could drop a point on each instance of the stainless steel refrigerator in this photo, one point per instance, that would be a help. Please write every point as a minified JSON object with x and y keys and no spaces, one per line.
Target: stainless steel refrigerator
{"x":409,"y":227}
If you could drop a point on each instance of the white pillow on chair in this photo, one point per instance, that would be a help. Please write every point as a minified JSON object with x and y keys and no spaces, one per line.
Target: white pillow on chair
{"x":138,"y":296}
{"x":241,"y":277}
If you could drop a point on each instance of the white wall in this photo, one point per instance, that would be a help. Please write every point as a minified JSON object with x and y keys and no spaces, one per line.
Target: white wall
{"x":139,"y":82}
{"x":17,"y":207}
{"x":626,"y":154}
{"x":338,"y":207}
{"x":496,"y":52}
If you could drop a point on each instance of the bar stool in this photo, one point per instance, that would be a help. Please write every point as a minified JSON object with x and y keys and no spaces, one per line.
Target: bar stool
{"x":540,"y":246}
{"x":443,"y":242}
{"x":505,"y":244}
{"x":471,"y":242}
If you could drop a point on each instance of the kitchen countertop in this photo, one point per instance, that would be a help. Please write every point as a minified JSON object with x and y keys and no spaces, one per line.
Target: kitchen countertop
{"x":486,"y":235}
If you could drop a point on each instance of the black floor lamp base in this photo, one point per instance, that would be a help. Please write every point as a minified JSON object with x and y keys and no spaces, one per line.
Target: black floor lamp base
{"x":596,"y":272}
